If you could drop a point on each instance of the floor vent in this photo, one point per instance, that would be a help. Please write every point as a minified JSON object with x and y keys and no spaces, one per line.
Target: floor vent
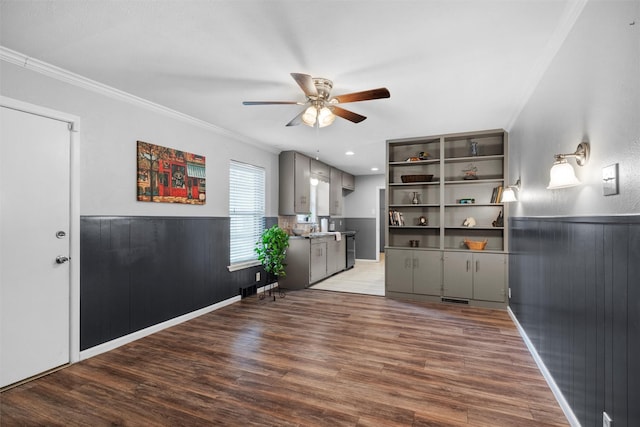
{"x":246,"y":291}
{"x":455,"y":301}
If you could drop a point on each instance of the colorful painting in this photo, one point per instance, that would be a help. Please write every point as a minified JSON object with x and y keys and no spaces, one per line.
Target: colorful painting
{"x":168,"y":175}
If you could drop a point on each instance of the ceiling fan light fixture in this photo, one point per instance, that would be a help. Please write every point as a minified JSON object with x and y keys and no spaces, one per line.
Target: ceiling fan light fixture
{"x":309,"y":116}
{"x":325,"y":117}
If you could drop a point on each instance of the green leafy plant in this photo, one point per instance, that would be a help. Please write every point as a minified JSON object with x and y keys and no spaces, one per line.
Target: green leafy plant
{"x":272,"y":250}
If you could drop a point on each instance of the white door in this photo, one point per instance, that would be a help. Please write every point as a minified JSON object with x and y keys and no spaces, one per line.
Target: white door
{"x":34,"y":215}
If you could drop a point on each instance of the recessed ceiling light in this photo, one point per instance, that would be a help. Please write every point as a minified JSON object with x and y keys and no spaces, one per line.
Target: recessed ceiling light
{"x":374,"y":169}
{"x":349,"y":153}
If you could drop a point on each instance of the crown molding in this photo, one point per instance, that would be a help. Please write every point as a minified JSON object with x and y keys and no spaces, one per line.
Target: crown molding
{"x":19,"y":59}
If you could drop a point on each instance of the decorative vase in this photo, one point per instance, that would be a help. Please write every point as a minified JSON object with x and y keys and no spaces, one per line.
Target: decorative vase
{"x":473,"y":148}
{"x":415,"y":200}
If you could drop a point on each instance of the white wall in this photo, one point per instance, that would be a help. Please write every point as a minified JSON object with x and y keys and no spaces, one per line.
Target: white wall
{"x":110,"y":129}
{"x":362,"y":202}
{"x":591,"y":92}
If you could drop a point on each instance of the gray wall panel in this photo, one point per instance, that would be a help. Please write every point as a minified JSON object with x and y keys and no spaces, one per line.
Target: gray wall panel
{"x":575,"y":292}
{"x":365,"y":237}
{"x":136,"y":272}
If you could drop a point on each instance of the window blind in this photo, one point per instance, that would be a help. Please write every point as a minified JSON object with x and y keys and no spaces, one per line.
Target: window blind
{"x":246,"y":210}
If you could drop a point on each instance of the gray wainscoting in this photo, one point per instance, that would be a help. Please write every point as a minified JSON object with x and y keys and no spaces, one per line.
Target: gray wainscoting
{"x":136,"y":272}
{"x":365,"y":236}
{"x":575,"y":286}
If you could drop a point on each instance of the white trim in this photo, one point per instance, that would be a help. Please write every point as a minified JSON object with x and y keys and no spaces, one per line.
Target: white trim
{"x":113,"y":344}
{"x":61,"y":74}
{"x":378,"y":219}
{"x":568,"y":20}
{"x":74,"y":213}
{"x":242,"y":265}
{"x":564,"y":405}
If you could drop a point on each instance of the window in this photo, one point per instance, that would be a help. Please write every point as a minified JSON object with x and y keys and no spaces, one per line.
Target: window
{"x":246,"y":209}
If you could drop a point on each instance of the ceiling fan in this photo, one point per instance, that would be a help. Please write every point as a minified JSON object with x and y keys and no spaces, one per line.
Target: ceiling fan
{"x":322,"y":109}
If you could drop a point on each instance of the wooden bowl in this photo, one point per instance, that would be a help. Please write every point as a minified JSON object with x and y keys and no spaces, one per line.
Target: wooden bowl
{"x":475,"y":245}
{"x":416,"y":178}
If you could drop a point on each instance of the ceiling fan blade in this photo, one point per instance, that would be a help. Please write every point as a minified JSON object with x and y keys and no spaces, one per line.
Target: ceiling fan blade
{"x":271,"y":103}
{"x":346,"y":114}
{"x":296,"y":120}
{"x":365,"y":95}
{"x":305,"y":81}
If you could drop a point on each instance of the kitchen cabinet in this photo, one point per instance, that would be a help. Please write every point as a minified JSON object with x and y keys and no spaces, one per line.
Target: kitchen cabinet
{"x":318,"y":270}
{"x":413,"y":271}
{"x":335,"y":192}
{"x":336,"y":256}
{"x":296,"y":171}
{"x":477,"y":276}
{"x":320,"y":170}
{"x":295,"y":187}
{"x":310,"y":260}
{"x":348,"y":181}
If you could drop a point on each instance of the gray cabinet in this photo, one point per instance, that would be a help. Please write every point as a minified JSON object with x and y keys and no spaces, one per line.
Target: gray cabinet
{"x":336,"y":256}
{"x":335,"y":192}
{"x":413,"y":271}
{"x":295,"y":190}
{"x":310,"y":260}
{"x":296,"y":171}
{"x":427,"y":276}
{"x":477,"y":276}
{"x":348,"y":181}
{"x":435,"y":184}
{"x":320,"y":170}
{"x":458,"y":275}
{"x":318,"y":269}
{"x":489,"y":277}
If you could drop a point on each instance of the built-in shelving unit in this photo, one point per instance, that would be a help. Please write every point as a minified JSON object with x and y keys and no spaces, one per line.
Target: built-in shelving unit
{"x":434,"y":184}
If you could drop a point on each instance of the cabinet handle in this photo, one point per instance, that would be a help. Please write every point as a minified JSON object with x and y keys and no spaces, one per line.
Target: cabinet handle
{"x":416,"y":263}
{"x":468,"y":265}
{"x":407,"y":263}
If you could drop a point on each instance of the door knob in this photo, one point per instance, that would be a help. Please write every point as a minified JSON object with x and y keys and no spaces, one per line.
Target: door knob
{"x":61,"y":259}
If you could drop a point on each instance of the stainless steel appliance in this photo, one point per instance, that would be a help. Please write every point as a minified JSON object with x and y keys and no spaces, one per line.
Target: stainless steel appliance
{"x":350,"y":237}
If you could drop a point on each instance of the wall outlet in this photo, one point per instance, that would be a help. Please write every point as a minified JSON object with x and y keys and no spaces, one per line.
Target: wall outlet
{"x":257,"y":276}
{"x":606,"y":420}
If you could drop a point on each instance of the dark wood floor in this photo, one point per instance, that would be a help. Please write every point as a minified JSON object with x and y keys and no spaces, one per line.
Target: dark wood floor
{"x":313,"y":358}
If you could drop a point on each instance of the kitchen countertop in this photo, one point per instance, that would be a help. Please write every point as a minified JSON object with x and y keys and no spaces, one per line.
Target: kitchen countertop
{"x":323,"y":234}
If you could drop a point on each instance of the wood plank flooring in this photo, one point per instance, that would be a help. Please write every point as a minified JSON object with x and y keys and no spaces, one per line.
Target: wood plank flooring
{"x":313,"y":358}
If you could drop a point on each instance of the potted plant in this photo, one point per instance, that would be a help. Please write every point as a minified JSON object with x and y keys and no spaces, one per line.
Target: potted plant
{"x":272,"y":250}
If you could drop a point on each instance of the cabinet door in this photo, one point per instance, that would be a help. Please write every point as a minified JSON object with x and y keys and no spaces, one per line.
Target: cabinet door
{"x":333,"y":252}
{"x":348,"y":181}
{"x":458,"y":275}
{"x":302,"y":186}
{"x":320,"y":170}
{"x":427,"y":273}
{"x":489,"y":277}
{"x":318,"y":270}
{"x":335,"y":194}
{"x":341,"y":261}
{"x":399,"y":270}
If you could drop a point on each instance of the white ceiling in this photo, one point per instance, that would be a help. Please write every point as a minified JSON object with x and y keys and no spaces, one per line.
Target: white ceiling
{"x":450,"y":65}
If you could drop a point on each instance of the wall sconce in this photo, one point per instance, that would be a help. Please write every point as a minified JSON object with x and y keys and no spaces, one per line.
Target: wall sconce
{"x":562,"y":174}
{"x":509,"y":193}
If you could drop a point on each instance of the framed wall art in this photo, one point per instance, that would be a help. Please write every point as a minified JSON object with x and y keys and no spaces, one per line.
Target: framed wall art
{"x":167,"y":175}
